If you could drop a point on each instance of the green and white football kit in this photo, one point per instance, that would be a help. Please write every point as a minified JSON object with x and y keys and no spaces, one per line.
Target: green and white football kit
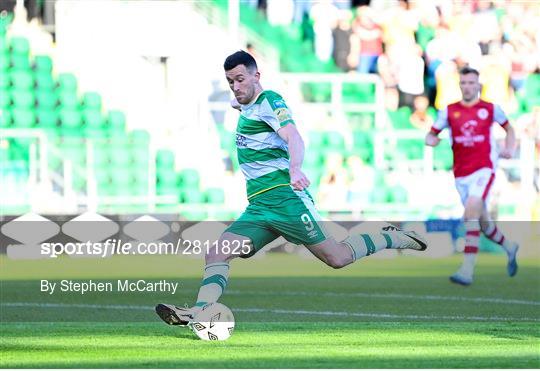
{"x":275,"y":208}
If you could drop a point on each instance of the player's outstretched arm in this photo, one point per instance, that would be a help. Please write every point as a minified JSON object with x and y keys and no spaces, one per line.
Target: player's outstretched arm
{"x":509,"y":142}
{"x":432,"y":139}
{"x":294,"y":140}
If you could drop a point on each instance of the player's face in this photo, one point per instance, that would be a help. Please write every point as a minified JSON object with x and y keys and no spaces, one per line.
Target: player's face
{"x":470,"y":86}
{"x":243,"y":83}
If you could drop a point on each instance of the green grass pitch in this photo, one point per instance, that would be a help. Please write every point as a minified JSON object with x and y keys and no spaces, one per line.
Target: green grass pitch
{"x":290,"y":312}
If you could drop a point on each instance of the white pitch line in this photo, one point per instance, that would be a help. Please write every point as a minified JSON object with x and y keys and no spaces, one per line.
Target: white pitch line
{"x":284,"y":311}
{"x":392,"y":296}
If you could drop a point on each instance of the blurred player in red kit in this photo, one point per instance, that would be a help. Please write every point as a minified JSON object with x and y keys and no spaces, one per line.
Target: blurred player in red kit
{"x":470,"y":122}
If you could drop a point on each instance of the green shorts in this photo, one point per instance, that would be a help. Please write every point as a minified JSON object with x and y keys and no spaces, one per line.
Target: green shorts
{"x":281,"y":211}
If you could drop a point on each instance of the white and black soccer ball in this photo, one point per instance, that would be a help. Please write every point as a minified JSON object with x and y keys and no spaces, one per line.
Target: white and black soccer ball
{"x":214,"y":322}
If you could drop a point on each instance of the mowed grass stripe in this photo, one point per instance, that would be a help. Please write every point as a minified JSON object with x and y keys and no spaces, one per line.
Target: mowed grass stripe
{"x":285,"y":311}
{"x":279,"y":345}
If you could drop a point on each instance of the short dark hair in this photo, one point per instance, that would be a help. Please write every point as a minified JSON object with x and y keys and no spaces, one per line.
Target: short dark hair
{"x":466,"y":70}
{"x":238,"y":58}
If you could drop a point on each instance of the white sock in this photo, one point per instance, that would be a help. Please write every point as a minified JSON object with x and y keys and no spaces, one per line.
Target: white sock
{"x":366,"y":244}
{"x":469,"y":262}
{"x":214,"y":282}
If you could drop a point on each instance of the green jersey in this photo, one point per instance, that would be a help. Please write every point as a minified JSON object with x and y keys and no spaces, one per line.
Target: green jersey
{"x":262,"y":154}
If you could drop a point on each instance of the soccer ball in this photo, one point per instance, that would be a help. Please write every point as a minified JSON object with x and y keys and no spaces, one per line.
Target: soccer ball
{"x":214,"y":322}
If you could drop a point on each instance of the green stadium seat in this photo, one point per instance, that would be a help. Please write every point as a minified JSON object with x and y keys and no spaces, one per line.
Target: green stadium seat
{"x":100,"y":155}
{"x":379,"y":195}
{"x":362,"y":139}
{"x":401,"y":118}
{"x":22,"y":79}
{"x":44,"y":80}
{"x":412,"y":149}
{"x":102,"y":176}
{"x":46,"y":99}
{"x":119,"y":156}
{"x":4,"y":47}
{"x":20,"y":62}
{"x":138,"y":188}
{"x":192,"y":196}
{"x":215,"y":196}
{"x":4,"y":62}
{"x":334,"y":140}
{"x":23,"y":118}
{"x":23,"y":99}
{"x":47,"y":118}
{"x":398,"y":194}
{"x":93,"y":118}
{"x":5,"y":118}
{"x":189,"y":178}
{"x":5,"y":98}
{"x":67,"y":82}
{"x":165,"y":159}
{"x":4,"y":80}
{"x":116,"y":121}
{"x":121,"y":177}
{"x":532,"y":90}
{"x":139,"y":137}
{"x":316,"y":139}
{"x":119,"y":140}
{"x":92,"y":100}
{"x":68,"y":99}
{"x":70,"y":118}
{"x":443,"y":157}
{"x":19,"y":45}
{"x":77,"y":154}
{"x":139,"y":156}
{"x":79,"y":183}
{"x":166,"y":177}
{"x":43,"y":63}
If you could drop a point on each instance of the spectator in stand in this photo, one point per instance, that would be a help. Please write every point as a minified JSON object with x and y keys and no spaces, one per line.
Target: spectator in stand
{"x":369,"y":36}
{"x":361,"y":181}
{"x":342,"y":36}
{"x":400,"y":24}
{"x":495,"y":74}
{"x":485,"y":26}
{"x":387,"y":66}
{"x":410,"y":74}
{"x":324,"y":15}
{"x":447,"y":78}
{"x":280,"y":12}
{"x":333,"y":188}
{"x":420,"y":118}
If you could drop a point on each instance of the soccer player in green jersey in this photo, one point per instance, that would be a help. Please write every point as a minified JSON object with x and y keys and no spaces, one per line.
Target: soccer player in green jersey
{"x":270,"y":153}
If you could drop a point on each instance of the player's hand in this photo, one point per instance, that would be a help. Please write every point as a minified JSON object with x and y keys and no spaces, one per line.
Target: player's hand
{"x":432,"y":140}
{"x":235,"y":104}
{"x":299,"y":180}
{"x":506,"y":153}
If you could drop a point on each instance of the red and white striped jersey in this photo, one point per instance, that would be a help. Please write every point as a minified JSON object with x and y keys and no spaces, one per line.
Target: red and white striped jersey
{"x":471,"y":134}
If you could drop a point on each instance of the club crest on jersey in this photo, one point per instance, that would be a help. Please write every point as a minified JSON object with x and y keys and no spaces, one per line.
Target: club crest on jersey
{"x":482,"y":113}
{"x":457,"y":114}
{"x":241,"y":141}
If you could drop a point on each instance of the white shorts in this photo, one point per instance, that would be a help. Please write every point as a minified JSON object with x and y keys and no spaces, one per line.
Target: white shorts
{"x":478,"y":184}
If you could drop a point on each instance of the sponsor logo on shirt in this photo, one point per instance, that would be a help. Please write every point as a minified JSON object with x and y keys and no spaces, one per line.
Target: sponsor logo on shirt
{"x":241,"y":141}
{"x":282,"y":114}
{"x":279,"y":103}
{"x":469,"y":136}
